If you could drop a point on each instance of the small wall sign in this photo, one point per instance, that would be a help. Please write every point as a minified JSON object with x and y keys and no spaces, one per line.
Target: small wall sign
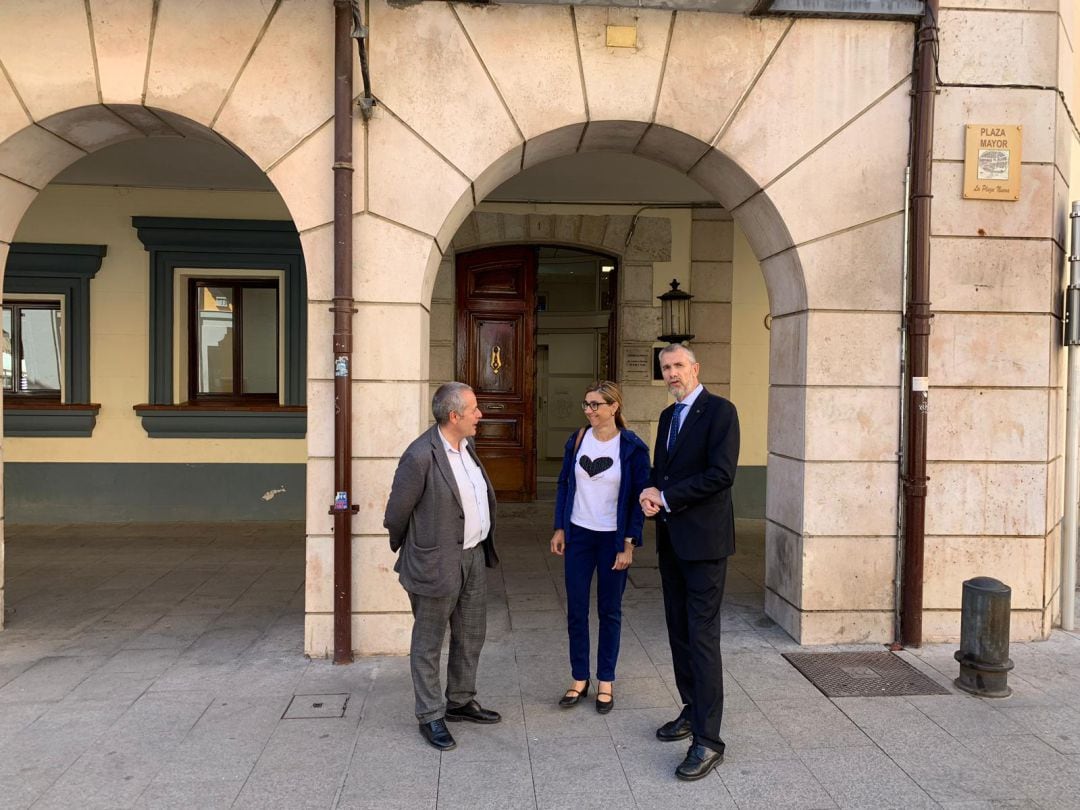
{"x":636,"y":363}
{"x":992,"y":162}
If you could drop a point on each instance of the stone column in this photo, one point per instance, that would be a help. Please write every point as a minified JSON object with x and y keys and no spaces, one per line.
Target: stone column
{"x":711,"y":252}
{"x":996,"y":364}
{"x":639,"y":318}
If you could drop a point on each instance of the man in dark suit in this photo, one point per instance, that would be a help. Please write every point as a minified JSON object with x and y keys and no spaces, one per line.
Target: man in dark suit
{"x":697,"y":451}
{"x":441,"y":518}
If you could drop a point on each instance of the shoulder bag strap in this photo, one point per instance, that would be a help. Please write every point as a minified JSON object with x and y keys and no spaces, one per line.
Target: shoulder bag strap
{"x":577,"y":441}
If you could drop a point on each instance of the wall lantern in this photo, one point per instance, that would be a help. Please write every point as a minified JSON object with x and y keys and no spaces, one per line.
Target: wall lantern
{"x":675,"y":314}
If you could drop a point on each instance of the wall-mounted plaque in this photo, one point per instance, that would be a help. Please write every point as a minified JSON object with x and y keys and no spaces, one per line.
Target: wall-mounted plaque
{"x":992,"y":162}
{"x":636,"y":363}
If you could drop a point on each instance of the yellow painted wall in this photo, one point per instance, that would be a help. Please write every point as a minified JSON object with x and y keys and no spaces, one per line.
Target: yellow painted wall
{"x":750,"y":353}
{"x":119,"y":321}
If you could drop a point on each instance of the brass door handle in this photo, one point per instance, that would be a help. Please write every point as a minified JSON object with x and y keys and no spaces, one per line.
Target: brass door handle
{"x":496,"y":362}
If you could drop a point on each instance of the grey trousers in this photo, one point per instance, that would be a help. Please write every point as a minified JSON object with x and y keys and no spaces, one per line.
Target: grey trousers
{"x":466,"y":613}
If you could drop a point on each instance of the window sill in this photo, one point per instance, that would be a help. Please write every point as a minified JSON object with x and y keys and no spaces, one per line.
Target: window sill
{"x":223,"y":421}
{"x":44,"y":418}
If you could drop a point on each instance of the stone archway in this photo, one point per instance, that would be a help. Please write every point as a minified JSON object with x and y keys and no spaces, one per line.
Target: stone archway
{"x":738,"y":104}
{"x":821,"y":475}
{"x":155,"y":70}
{"x":711,"y":96}
{"x":33,"y":155}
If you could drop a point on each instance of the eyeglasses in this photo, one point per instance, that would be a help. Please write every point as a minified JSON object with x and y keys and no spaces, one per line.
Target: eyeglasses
{"x":592,"y":406}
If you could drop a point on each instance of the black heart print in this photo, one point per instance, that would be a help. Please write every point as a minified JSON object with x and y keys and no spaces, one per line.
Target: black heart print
{"x":594,"y":466}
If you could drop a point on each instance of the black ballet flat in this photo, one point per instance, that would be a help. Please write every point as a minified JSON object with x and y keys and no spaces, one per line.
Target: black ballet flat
{"x":573,"y":696}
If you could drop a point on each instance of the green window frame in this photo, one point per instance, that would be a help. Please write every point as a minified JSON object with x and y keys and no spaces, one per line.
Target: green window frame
{"x":61,"y":272}
{"x":179,"y":245}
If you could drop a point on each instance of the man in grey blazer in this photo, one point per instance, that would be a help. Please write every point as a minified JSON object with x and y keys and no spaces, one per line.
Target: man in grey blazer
{"x":441,"y":518}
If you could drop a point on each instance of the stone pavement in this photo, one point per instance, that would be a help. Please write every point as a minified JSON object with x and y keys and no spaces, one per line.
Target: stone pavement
{"x":151,"y":667}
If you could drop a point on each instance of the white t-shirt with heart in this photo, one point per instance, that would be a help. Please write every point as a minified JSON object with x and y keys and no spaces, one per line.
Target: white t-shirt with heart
{"x":597,"y":474}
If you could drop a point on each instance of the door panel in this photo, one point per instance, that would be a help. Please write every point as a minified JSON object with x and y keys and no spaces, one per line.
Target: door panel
{"x":499,"y":347}
{"x":496,"y":325}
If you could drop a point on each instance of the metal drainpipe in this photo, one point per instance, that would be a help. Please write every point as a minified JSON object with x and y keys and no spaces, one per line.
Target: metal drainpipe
{"x":902,"y":432}
{"x":918,"y":317}
{"x":343,"y":310}
{"x":1072,"y":426}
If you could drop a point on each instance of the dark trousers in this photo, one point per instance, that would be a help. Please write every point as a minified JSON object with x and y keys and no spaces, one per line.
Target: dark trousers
{"x":466,"y":613}
{"x":588,"y":551}
{"x":693,"y":592}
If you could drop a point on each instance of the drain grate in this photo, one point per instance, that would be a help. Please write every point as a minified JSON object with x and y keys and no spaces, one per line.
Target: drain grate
{"x":316,"y":707}
{"x":863,"y":674}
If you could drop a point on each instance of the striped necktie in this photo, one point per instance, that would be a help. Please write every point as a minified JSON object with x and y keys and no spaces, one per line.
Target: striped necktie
{"x":676,"y":418}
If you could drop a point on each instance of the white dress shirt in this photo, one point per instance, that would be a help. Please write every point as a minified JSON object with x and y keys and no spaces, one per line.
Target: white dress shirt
{"x":688,"y":401}
{"x":473,"y":491}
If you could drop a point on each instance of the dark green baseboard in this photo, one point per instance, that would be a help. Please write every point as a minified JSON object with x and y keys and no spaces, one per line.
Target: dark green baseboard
{"x":200,"y":493}
{"x":152,"y":493}
{"x":748,"y":494}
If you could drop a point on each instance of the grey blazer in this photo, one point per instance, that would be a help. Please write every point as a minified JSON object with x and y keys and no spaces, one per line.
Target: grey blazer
{"x":426,"y":521}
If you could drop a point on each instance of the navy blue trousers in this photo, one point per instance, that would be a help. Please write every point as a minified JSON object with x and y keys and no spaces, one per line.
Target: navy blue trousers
{"x":588,"y":551}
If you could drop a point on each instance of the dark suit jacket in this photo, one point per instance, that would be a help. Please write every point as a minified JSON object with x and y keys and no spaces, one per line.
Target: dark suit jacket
{"x":426,"y":521}
{"x":696,"y":478}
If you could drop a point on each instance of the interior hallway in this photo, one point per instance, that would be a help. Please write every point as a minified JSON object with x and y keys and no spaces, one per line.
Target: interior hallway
{"x":156,"y":668}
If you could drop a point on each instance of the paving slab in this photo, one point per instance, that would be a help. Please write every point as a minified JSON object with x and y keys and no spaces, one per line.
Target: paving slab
{"x":864,"y":777}
{"x":808,"y":723}
{"x":775,"y":783}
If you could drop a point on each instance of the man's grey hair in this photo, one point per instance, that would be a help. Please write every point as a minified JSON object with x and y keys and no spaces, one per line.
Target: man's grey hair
{"x":449,"y":398}
{"x":674,"y":347}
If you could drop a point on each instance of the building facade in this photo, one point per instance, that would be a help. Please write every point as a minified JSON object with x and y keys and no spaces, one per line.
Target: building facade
{"x":166,"y":191}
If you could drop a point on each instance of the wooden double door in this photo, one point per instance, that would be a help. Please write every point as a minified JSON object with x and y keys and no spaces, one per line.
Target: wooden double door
{"x":496,"y":351}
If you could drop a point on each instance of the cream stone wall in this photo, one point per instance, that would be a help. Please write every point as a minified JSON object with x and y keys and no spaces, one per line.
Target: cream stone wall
{"x":799,"y":128}
{"x":749,"y":352}
{"x":711,"y":254}
{"x":119,"y":321}
{"x":996,"y":367}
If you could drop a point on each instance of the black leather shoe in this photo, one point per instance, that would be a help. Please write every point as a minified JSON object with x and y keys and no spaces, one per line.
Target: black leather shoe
{"x":699,"y":761}
{"x":438,"y":735}
{"x":604,"y":706}
{"x":678,"y":729}
{"x":573,"y":696}
{"x":474,"y":713}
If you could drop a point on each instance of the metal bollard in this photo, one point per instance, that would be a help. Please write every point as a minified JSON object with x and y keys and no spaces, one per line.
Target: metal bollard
{"x":984,"y":638}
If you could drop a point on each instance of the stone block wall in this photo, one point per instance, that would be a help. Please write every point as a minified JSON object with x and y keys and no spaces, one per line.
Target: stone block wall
{"x":997,"y":407}
{"x":711,"y":265}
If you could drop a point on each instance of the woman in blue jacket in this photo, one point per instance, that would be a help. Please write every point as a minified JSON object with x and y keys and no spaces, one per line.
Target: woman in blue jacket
{"x":598,"y":522}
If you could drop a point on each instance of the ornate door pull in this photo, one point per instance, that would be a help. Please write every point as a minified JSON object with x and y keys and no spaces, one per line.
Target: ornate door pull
{"x":496,"y":362}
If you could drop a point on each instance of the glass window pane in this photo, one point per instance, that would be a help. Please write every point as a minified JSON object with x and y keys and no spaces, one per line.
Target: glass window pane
{"x":8,"y":376}
{"x":570,"y":285}
{"x":39,"y":330}
{"x":215,"y":339}
{"x":260,"y":361}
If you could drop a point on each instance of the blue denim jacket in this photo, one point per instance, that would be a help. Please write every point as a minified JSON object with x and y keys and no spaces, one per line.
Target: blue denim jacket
{"x":634,"y":466}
